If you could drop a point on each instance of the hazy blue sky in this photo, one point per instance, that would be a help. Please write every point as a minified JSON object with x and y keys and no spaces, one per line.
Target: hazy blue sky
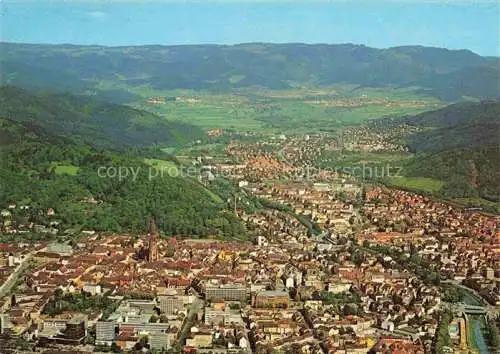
{"x":378,"y":23}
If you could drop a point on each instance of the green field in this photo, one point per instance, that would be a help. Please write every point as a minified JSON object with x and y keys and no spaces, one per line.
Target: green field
{"x":289,"y":111}
{"x":66,"y":169}
{"x":163,"y":167}
{"x":423,"y":184}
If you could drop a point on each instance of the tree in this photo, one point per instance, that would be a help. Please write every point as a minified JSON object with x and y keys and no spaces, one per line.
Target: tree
{"x":358,"y":258}
{"x":442,"y":338}
{"x":493,"y":336}
{"x":115,"y":348}
{"x":350,"y":309}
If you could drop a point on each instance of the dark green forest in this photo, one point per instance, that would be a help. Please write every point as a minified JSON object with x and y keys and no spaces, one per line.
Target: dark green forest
{"x":93,"y":122}
{"x":461,"y":125}
{"x":467,"y":172}
{"x":28,"y":176}
{"x":459,"y":144}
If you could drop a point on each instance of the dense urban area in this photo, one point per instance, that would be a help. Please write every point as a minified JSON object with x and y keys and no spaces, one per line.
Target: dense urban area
{"x":333,"y":264}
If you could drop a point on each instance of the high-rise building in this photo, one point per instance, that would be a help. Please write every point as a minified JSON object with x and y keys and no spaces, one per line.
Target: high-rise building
{"x":76,"y":329}
{"x":105,"y":332}
{"x":159,"y":341}
{"x":169,"y":304}
{"x":153,"y":236}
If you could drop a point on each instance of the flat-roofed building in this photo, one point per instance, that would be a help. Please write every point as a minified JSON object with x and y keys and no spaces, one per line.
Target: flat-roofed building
{"x":272,"y":299}
{"x":227,"y":292}
{"x":222,"y":313}
{"x":59,"y":248}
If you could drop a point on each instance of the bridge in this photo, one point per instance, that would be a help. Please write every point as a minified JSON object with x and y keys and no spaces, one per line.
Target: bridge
{"x":461,"y":308}
{"x":469,"y":309}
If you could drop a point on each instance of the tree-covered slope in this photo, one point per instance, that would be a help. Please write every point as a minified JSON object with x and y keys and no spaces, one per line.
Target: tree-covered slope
{"x":86,"y":120}
{"x":37,"y":78}
{"x":462,"y":125}
{"x":466,"y":172}
{"x":460,"y":146}
{"x":275,"y":66}
{"x":459,"y":113}
{"x":477,"y":81}
{"x":31,"y":76}
{"x":12,"y":132}
{"x":72,"y":179}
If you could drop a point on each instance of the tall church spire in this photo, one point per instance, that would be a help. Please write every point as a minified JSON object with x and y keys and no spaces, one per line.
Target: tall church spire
{"x":153,"y":236}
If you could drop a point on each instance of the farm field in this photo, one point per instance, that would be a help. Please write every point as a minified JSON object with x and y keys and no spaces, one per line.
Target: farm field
{"x":298,"y":111}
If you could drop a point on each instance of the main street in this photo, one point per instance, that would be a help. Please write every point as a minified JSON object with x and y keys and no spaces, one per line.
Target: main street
{"x":6,"y":287}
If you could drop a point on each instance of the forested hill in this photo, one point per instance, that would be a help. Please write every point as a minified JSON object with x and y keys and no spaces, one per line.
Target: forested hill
{"x":462,"y":125}
{"x":477,"y":81}
{"x":42,"y":171}
{"x":459,"y":145}
{"x":448,"y":74}
{"x":94,"y":122}
{"x":466,"y":172}
{"x":13,"y":132}
{"x":459,"y":113}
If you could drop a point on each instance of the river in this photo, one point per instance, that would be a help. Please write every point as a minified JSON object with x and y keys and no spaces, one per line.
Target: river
{"x":475,"y":323}
{"x":477,"y":334}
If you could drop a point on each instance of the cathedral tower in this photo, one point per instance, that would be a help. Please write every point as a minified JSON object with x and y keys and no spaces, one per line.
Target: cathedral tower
{"x":153,"y":236}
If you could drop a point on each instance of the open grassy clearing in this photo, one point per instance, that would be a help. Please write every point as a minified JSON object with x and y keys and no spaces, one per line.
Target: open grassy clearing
{"x":61,"y":169}
{"x":289,"y":116}
{"x":162,"y":167}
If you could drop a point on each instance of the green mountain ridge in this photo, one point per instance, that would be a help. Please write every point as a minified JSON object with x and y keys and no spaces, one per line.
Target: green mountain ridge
{"x":274,"y":66}
{"x":101,"y":124}
{"x":477,"y":81}
{"x":462,"y":125}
